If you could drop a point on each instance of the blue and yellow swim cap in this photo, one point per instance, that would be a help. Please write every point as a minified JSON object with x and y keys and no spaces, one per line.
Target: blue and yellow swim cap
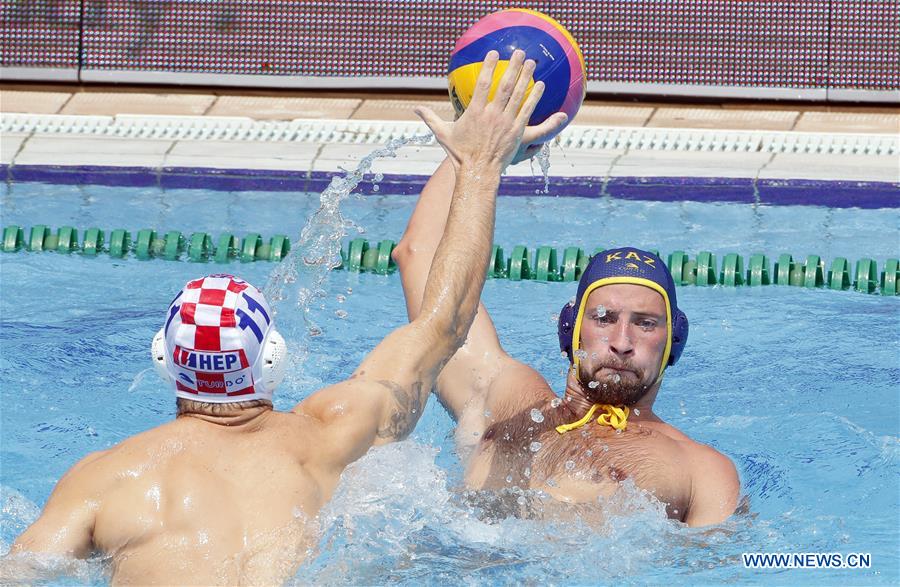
{"x":625,"y":265}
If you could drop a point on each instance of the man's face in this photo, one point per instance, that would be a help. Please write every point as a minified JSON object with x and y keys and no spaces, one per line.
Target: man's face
{"x":623,"y":338}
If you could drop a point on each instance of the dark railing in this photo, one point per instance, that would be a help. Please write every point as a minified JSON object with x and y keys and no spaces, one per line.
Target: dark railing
{"x":800,"y":49}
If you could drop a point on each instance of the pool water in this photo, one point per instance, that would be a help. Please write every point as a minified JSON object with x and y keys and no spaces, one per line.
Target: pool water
{"x":798,"y":387}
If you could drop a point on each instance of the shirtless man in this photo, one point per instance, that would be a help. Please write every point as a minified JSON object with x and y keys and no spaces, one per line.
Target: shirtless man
{"x":620,"y":334}
{"x":228,"y":492}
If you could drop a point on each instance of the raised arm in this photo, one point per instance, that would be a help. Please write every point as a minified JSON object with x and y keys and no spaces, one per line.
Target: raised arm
{"x":384,"y":398}
{"x":481,"y":364}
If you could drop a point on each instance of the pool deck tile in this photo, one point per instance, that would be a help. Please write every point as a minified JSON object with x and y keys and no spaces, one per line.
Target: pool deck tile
{"x":9,"y":146}
{"x":351,"y":154}
{"x":671,"y":163}
{"x":143,"y":160}
{"x":400,"y":109}
{"x":283,"y":108}
{"x":284,"y":156}
{"x":855,"y":122}
{"x":110,"y":104}
{"x":68,"y":145}
{"x":715,"y":118}
{"x":243,"y":163}
{"x":601,"y":115}
{"x":256,"y":150}
{"x":33,"y":102}
{"x":92,"y":151}
{"x":836,"y":167}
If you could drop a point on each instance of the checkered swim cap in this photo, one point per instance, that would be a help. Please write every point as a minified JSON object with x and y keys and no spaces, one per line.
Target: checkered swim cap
{"x":215,"y":335}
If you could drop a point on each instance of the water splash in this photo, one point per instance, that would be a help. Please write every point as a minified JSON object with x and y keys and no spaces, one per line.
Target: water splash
{"x":396,"y":518}
{"x":543,"y":160}
{"x":305,"y":269}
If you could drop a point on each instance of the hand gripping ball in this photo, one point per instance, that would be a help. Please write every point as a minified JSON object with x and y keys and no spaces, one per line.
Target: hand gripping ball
{"x":559,"y":62}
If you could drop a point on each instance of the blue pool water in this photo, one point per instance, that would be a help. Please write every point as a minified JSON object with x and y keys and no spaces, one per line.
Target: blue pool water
{"x":798,"y":387}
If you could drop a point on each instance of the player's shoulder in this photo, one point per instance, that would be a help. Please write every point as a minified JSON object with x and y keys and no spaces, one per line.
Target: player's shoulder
{"x":711,"y":465}
{"x":705,"y":459}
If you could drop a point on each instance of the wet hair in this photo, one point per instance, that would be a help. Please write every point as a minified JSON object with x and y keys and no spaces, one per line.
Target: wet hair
{"x":189,"y":406}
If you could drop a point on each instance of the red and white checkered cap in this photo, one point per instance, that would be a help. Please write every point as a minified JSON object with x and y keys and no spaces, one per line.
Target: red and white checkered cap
{"x":215,"y":332}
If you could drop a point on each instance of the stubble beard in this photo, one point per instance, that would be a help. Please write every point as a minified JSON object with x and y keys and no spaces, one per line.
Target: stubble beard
{"x":609,"y":391}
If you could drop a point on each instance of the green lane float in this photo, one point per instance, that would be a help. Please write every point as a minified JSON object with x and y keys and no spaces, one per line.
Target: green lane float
{"x":360,"y":256}
{"x":758,"y":271}
{"x":517,"y":267}
{"x":839,"y":275}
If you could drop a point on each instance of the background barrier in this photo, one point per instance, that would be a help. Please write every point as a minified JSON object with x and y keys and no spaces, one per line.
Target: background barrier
{"x":361,"y":256}
{"x":793,"y":49}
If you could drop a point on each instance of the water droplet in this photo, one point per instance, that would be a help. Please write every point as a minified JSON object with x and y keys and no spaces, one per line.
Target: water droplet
{"x":340,"y":314}
{"x":537,"y":416}
{"x":555,"y":402}
{"x":551,"y":483}
{"x":379,"y":177}
{"x":580,"y":354}
{"x":605,"y":448}
{"x":588,"y":453}
{"x":616,"y":378}
{"x":564,"y":354}
{"x":593,"y":384}
{"x":554,"y":317}
{"x":535,"y":446}
{"x":375,"y":187}
{"x":637,"y":412}
{"x":509,"y":478}
{"x":601,"y":311}
{"x":341,"y":298}
{"x":527,"y":472}
{"x":674,"y":511}
{"x":570,"y":465}
{"x":521,"y":500}
{"x":487,"y":413}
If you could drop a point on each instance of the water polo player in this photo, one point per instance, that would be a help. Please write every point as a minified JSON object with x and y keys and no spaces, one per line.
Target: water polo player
{"x":620,"y":334}
{"x":228,"y":492}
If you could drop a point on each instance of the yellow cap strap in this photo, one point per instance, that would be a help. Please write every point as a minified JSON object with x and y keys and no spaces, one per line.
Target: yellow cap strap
{"x":613,"y":416}
{"x":563,"y":428}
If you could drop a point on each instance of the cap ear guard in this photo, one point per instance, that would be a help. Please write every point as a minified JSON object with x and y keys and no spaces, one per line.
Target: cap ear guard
{"x":158,"y":354}
{"x":274,"y":358}
{"x":680,"y":329}
{"x":565,"y":327}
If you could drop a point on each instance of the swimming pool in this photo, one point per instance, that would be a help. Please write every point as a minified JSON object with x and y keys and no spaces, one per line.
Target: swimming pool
{"x":797,"y":386}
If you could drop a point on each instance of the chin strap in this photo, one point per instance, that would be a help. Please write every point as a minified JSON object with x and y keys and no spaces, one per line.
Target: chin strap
{"x":613,"y":416}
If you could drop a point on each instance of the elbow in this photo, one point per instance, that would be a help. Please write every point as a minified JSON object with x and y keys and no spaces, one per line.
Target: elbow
{"x":404,"y":252}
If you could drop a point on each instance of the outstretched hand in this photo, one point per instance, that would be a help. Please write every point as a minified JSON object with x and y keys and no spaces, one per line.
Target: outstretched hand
{"x":493,"y":132}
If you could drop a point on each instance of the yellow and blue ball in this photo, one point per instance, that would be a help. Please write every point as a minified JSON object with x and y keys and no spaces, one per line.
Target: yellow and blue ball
{"x":559,"y":61}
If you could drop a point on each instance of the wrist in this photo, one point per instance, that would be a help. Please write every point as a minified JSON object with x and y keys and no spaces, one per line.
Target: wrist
{"x":480,"y":170}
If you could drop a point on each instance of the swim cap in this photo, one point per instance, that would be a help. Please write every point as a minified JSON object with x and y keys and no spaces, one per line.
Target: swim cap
{"x":626,"y":265}
{"x":218,"y":344}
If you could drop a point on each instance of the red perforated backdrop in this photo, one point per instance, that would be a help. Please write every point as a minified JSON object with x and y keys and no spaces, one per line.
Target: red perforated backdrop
{"x":789,"y":44}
